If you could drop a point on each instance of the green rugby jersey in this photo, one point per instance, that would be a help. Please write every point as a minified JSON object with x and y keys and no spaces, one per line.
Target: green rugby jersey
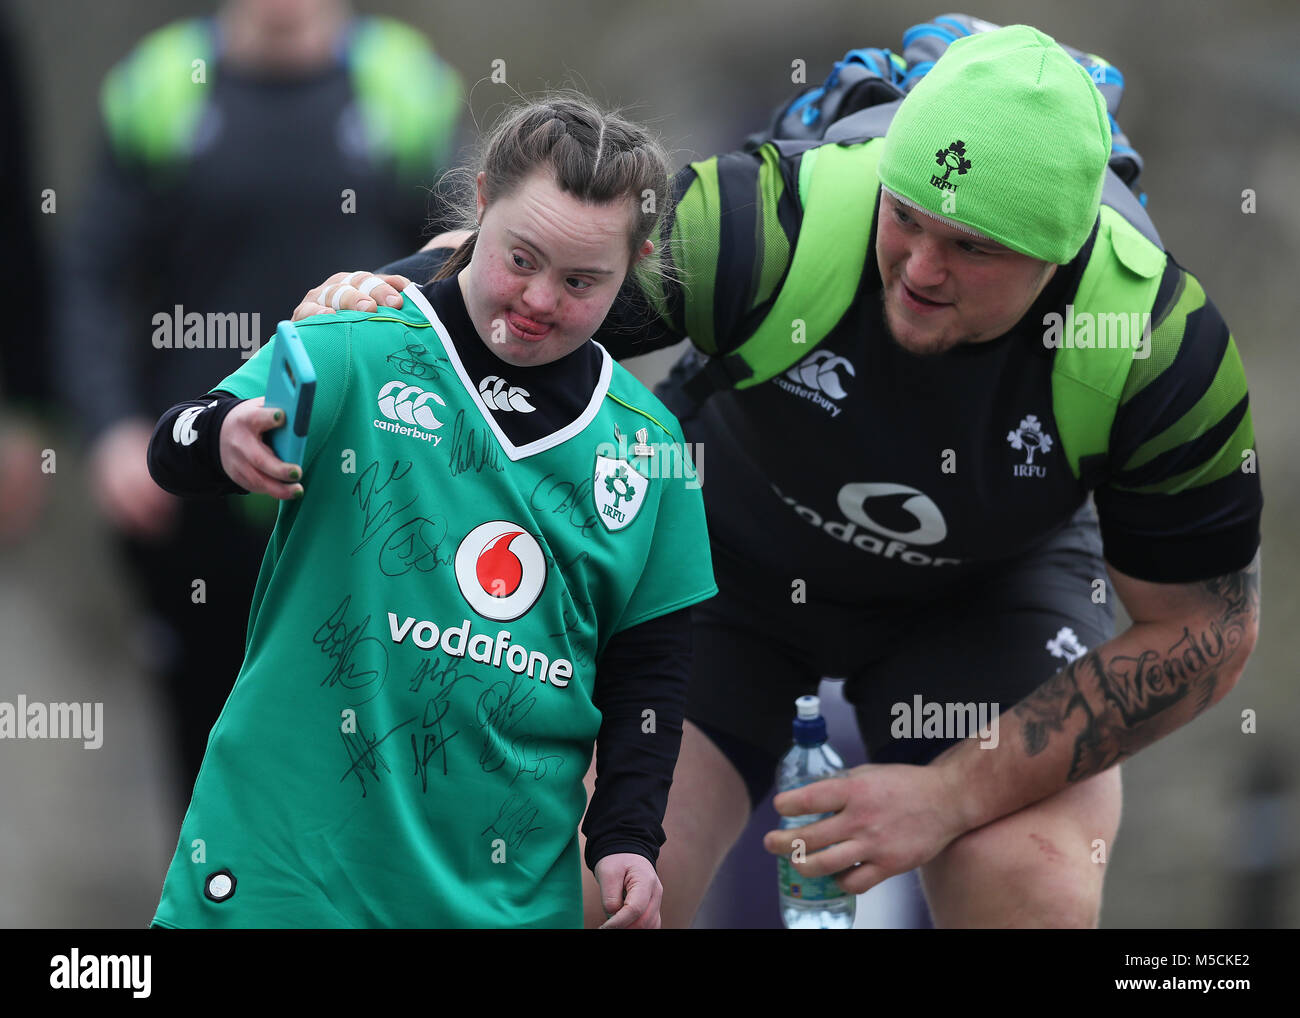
{"x":406,"y":741}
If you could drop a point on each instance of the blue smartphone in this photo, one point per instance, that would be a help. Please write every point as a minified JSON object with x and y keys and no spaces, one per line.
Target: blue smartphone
{"x":291,"y":387}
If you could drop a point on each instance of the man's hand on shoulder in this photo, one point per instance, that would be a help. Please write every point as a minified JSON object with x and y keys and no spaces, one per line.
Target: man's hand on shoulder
{"x":352,"y":291}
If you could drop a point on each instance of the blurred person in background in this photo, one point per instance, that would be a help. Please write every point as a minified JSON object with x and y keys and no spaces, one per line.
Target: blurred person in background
{"x":24,"y":349}
{"x":242,"y":157}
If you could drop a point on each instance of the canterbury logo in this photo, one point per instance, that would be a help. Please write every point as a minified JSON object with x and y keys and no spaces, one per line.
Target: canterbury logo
{"x":499,"y":395}
{"x":817,"y":372}
{"x":183,"y":430}
{"x":401,"y":402}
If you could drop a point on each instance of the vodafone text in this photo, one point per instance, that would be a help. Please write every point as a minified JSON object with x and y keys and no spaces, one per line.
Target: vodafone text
{"x":456,"y":641}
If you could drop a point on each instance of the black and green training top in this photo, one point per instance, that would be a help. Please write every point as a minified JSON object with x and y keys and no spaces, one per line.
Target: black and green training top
{"x":919,"y":471}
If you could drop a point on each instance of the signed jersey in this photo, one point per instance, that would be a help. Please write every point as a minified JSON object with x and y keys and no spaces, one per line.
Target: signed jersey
{"x":406,"y":741}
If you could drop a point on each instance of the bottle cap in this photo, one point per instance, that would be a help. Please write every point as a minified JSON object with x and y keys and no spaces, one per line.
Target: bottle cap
{"x":808,"y":707}
{"x":809,"y":727}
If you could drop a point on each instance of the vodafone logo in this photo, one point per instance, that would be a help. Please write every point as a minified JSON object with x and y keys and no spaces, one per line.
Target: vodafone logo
{"x":855,"y":499}
{"x":500,"y":569}
{"x":886,"y":509}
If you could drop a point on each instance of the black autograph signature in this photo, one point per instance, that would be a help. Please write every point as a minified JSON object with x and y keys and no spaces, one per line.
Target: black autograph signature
{"x":359,"y":661}
{"x":414,"y":545}
{"x":434,"y":739}
{"x":575,"y":612}
{"x":414,"y":359}
{"x":366,"y":490}
{"x":501,"y":707}
{"x":363,"y":751}
{"x":514,"y":816}
{"x":499,"y":711}
{"x":472,"y":448}
{"x":574,"y":499}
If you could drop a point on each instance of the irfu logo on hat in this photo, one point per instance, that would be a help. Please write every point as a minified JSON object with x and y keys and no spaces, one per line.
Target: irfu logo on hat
{"x":952,"y":158}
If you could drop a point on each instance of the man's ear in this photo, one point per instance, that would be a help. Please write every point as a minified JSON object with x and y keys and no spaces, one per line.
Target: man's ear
{"x":647,"y":248}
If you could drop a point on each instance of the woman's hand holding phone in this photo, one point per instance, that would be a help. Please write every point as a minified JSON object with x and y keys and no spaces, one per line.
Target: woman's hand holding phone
{"x":246,"y":457}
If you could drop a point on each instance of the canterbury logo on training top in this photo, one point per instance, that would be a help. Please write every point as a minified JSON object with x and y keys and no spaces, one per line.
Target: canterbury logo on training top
{"x":500,"y":395}
{"x":815,"y":375}
{"x":817,"y":371}
{"x":399,"y":401}
{"x":183,"y":431}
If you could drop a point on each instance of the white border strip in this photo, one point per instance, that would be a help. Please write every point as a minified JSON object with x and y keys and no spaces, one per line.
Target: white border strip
{"x":514,"y":452}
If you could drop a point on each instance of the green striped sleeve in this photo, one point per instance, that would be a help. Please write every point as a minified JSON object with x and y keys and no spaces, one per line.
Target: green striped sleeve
{"x":695,"y":251}
{"x":732,"y":234}
{"x":1226,"y":391}
{"x":770,"y":240}
{"x":1227,"y":461}
{"x":1183,"y":502}
{"x":1183,"y":417}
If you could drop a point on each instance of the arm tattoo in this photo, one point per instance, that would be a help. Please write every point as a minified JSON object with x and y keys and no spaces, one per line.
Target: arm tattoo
{"x":1127,"y":702}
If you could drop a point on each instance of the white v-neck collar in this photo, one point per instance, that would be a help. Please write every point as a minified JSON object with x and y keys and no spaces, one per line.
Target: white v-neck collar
{"x":515,"y":452}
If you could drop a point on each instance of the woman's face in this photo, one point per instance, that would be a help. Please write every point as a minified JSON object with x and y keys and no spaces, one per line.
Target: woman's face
{"x":545,"y":270}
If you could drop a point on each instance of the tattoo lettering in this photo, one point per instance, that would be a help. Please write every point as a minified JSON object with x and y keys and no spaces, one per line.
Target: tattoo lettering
{"x":1125,"y":701}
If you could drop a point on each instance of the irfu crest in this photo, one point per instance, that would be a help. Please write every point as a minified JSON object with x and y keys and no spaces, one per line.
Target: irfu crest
{"x":619,"y":490}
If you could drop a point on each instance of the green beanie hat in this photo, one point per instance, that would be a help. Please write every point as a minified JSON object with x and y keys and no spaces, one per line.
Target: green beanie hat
{"x":1006,"y":136}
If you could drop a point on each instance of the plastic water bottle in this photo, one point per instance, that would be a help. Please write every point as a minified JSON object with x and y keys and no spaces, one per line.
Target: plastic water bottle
{"x":810,"y":903}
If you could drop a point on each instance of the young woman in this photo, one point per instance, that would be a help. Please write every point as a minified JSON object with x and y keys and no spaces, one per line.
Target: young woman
{"x":479,"y":570}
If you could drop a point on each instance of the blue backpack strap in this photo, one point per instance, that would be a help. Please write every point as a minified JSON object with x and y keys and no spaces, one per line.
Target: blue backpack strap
{"x":410,"y":99}
{"x":151,"y":102}
{"x":862,"y":79}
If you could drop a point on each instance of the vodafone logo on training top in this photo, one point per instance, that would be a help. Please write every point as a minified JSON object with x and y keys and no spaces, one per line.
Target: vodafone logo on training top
{"x":500,"y":569}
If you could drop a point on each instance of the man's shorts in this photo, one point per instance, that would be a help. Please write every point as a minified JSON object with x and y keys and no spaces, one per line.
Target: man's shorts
{"x":991,"y":641}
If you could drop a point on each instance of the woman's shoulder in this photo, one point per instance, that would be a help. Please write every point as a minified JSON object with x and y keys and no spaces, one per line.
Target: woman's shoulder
{"x":332,"y":332}
{"x":626,"y":389}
